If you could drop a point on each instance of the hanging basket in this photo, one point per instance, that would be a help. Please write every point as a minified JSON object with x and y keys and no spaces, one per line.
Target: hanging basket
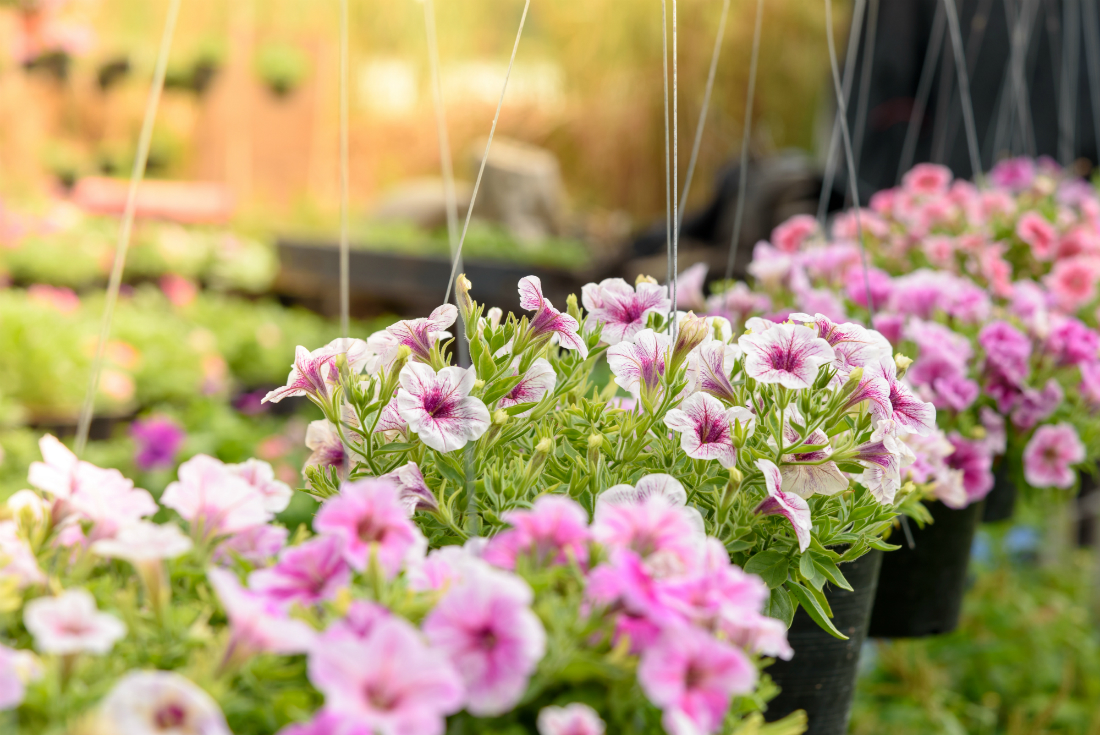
{"x":821,"y":678}
{"x":1000,"y":504}
{"x":921,"y":589}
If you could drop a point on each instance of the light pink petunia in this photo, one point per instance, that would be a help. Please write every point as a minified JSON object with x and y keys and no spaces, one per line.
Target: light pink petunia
{"x":148,"y":702}
{"x":709,"y":369}
{"x":1034,"y":229}
{"x":70,"y":623}
{"x":554,"y":531}
{"x":657,"y":530}
{"x":256,"y":545}
{"x":689,"y":287}
{"x":706,"y":428}
{"x":547,"y":320}
{"x":16,"y":667}
{"x":572,"y":719}
{"x":213,"y":499}
{"x":1073,"y":281}
{"x":326,"y":722}
{"x":57,"y":473}
{"x":17,"y":557}
{"x":144,"y":542}
{"x":538,"y":379}
{"x":927,"y":179}
{"x":419,"y":335}
{"x":787,"y":354}
{"x":412,"y":492}
{"x":306,"y":574}
{"x":790,"y":506}
{"x":486,"y":627}
{"x":358,"y":623}
{"x":790,"y":235}
{"x":1050,"y":455}
{"x":622,"y":309}
{"x":314,"y":374}
{"x":639,"y":365}
{"x":259,"y":624}
{"x":408,"y":688}
{"x":439,"y":407}
{"x":692,"y":676}
{"x":261,"y":476}
{"x":443,"y":567}
{"x":367,"y":516}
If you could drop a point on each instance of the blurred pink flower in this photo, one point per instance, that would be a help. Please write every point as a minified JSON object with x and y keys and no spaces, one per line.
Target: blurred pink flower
{"x":439,"y":407}
{"x":547,"y":320}
{"x":689,"y":288}
{"x":213,"y":499}
{"x":70,"y":623}
{"x":787,"y":354}
{"x":157,"y":441}
{"x":306,"y":574}
{"x":62,"y":299}
{"x":258,"y":623}
{"x":788,"y":505}
{"x":572,"y":719}
{"x":327,"y":722}
{"x":975,"y":461}
{"x":622,"y":309}
{"x":927,"y":179}
{"x":256,"y":545}
{"x":790,"y":235}
{"x":178,"y":290}
{"x":554,"y":531}
{"x":1014,"y":174}
{"x":368,"y":518}
{"x":412,"y":492}
{"x":260,"y":475}
{"x":1073,"y":282}
{"x":17,"y":557}
{"x":146,"y":702}
{"x":1033,"y":405}
{"x":1034,"y":229}
{"x":328,"y":451}
{"x":1050,"y":455}
{"x":13,"y":687}
{"x":655,"y":526}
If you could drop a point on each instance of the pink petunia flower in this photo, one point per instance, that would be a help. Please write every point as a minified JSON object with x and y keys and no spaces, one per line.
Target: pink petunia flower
{"x":621,"y":309}
{"x":213,"y":499}
{"x":790,"y":235}
{"x":538,"y":379}
{"x":975,"y":461}
{"x":486,"y":627}
{"x":1034,"y":229}
{"x":439,"y":407}
{"x":1034,"y":406}
{"x":1007,"y":350}
{"x":17,"y":556}
{"x":70,"y":623}
{"x":260,"y":475}
{"x":706,"y":427}
{"x":639,"y":366}
{"x":927,"y":179}
{"x":547,"y":320}
{"x":1071,"y":342}
{"x":149,"y":702}
{"x":795,"y":509}
{"x":17,"y":667}
{"x":1014,"y":174}
{"x":880,"y":284}
{"x":326,"y":722}
{"x":408,"y":689}
{"x":572,"y":719}
{"x":306,"y":574}
{"x":883,"y":456}
{"x":412,"y":492}
{"x":1050,"y":455}
{"x":689,"y":287}
{"x":738,"y":303}
{"x":256,"y":545}
{"x":787,"y":354}
{"x":554,"y":531}
{"x":259,"y":624}
{"x":368,"y":518}
{"x":358,"y":622}
{"x":1073,"y":282}
{"x":419,"y":335}
{"x":691,"y":676}
{"x":655,"y":528}
{"x":443,"y":567}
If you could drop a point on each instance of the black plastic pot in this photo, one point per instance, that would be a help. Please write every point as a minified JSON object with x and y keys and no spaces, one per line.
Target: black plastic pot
{"x":821,"y":678}
{"x":920,"y":590}
{"x":1000,"y":504}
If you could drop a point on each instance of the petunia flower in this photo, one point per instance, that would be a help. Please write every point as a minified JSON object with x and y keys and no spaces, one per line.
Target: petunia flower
{"x":692,"y":676}
{"x":327,"y":722}
{"x":572,"y":719}
{"x":315,"y":373}
{"x":407,"y":688}
{"x":706,"y":428}
{"x":1034,"y":406}
{"x":538,"y":379}
{"x":17,"y":668}
{"x":419,"y":335}
{"x":662,"y":533}
{"x":622,"y":309}
{"x":638,"y":366}
{"x":709,"y":368}
{"x":213,"y":499}
{"x":412,"y":492}
{"x":486,"y":627}
{"x":70,"y":623}
{"x":368,"y":518}
{"x":144,"y":541}
{"x":787,"y":354}
{"x":444,"y":567}
{"x":17,"y":557}
{"x":258,"y":623}
{"x":306,"y":574}
{"x":911,"y":413}
{"x":883,"y":456}
{"x":795,"y":509}
{"x":1050,"y":455}
{"x":327,"y":449}
{"x":439,"y":407}
{"x":256,"y":545}
{"x":973,"y":459}
{"x":805,"y":480}
{"x":547,"y":320}
{"x":554,"y":531}
{"x":158,"y":439}
{"x":689,"y":287}
{"x":260,"y":475}
{"x":152,"y":702}
{"x":853,"y":345}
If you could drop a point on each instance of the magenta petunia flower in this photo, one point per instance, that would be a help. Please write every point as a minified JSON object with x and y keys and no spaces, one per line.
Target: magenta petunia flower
{"x":259,"y":624}
{"x":639,"y":365}
{"x":538,"y":379}
{"x":419,"y":335}
{"x":547,"y":320}
{"x":412,"y":492}
{"x":314,"y":373}
{"x":738,"y":302}
{"x":1072,"y":342}
{"x":787,"y":354}
{"x":790,"y":506}
{"x":554,"y":531}
{"x":1073,"y":281}
{"x":213,"y":499}
{"x":368,"y":518}
{"x":390,"y":683}
{"x":1007,"y":350}
{"x":306,"y":574}
{"x":572,"y":719}
{"x":439,"y":407}
{"x":486,"y":627}
{"x":974,"y":460}
{"x":706,"y":427}
{"x":621,"y":309}
{"x":1050,"y":456}
{"x":709,"y":369}
{"x":692,"y":676}
{"x":1034,"y":406}
{"x":1015,"y":174}
{"x":158,"y":439}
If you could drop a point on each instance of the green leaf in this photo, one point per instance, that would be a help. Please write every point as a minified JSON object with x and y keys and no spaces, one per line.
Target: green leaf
{"x":809,"y":571}
{"x":813,"y":609}
{"x":851,"y":467}
{"x":827,"y":567}
{"x":500,"y":388}
{"x":519,"y":408}
{"x":877,"y":543}
{"x":771,"y":566}
{"x":780,"y":606}
{"x":394,"y":447}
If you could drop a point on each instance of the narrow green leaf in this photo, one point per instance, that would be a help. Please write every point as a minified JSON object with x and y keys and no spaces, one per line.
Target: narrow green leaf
{"x":394,"y":447}
{"x":813,"y":609}
{"x":827,"y":567}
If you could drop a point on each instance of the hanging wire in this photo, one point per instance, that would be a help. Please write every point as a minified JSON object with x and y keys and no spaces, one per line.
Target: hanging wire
{"x":746,"y":132}
{"x":1071,"y":58}
{"x":831,"y":160}
{"x":703,"y":112}
{"x":137,"y":174}
{"x":964,"y":90}
{"x":1092,"y":56}
{"x":865,"y":81}
{"x":943,"y":105}
{"x":974,"y":41}
{"x":924,"y":89}
{"x":485,"y":157}
{"x":675,"y":173}
{"x":345,"y":257}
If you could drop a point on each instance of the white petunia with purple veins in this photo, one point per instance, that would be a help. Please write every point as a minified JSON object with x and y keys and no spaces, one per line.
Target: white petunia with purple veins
{"x":911,"y":413}
{"x":419,"y":335}
{"x":622,"y":309}
{"x":787,"y":354}
{"x":639,"y":364}
{"x":548,"y":320}
{"x":853,"y":345}
{"x":439,"y":407}
{"x":538,"y":379}
{"x":706,"y":426}
{"x":709,"y":368}
{"x":790,"y":506}
{"x":314,"y":373}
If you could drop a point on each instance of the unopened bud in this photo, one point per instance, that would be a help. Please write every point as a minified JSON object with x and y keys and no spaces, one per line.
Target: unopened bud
{"x":855,"y":376}
{"x":500,"y":417}
{"x":571,"y":306}
{"x":595,"y":441}
{"x":462,"y":297}
{"x":642,"y":278}
{"x":494,"y":315}
{"x":902,"y":362}
{"x":479,"y":384}
{"x":693,"y":331}
{"x":545,"y":446}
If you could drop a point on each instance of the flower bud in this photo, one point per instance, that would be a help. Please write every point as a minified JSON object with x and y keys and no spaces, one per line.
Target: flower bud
{"x":572,"y":308}
{"x":642,"y":278}
{"x":595,"y":441}
{"x":500,"y":417}
{"x":902,"y":362}
{"x":545,"y":446}
{"x":465,"y":302}
{"x":693,"y":331}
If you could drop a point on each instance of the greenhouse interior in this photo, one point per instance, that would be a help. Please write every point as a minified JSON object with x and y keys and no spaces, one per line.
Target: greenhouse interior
{"x":513,"y":367}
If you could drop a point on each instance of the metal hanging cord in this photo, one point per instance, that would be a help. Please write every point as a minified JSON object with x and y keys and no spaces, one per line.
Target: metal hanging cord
{"x":924,"y":89}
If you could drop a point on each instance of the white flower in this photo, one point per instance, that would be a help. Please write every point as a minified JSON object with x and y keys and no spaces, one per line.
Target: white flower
{"x":144,"y":541}
{"x":70,"y":623}
{"x":161,"y":703}
{"x":210,"y":495}
{"x":261,"y":476}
